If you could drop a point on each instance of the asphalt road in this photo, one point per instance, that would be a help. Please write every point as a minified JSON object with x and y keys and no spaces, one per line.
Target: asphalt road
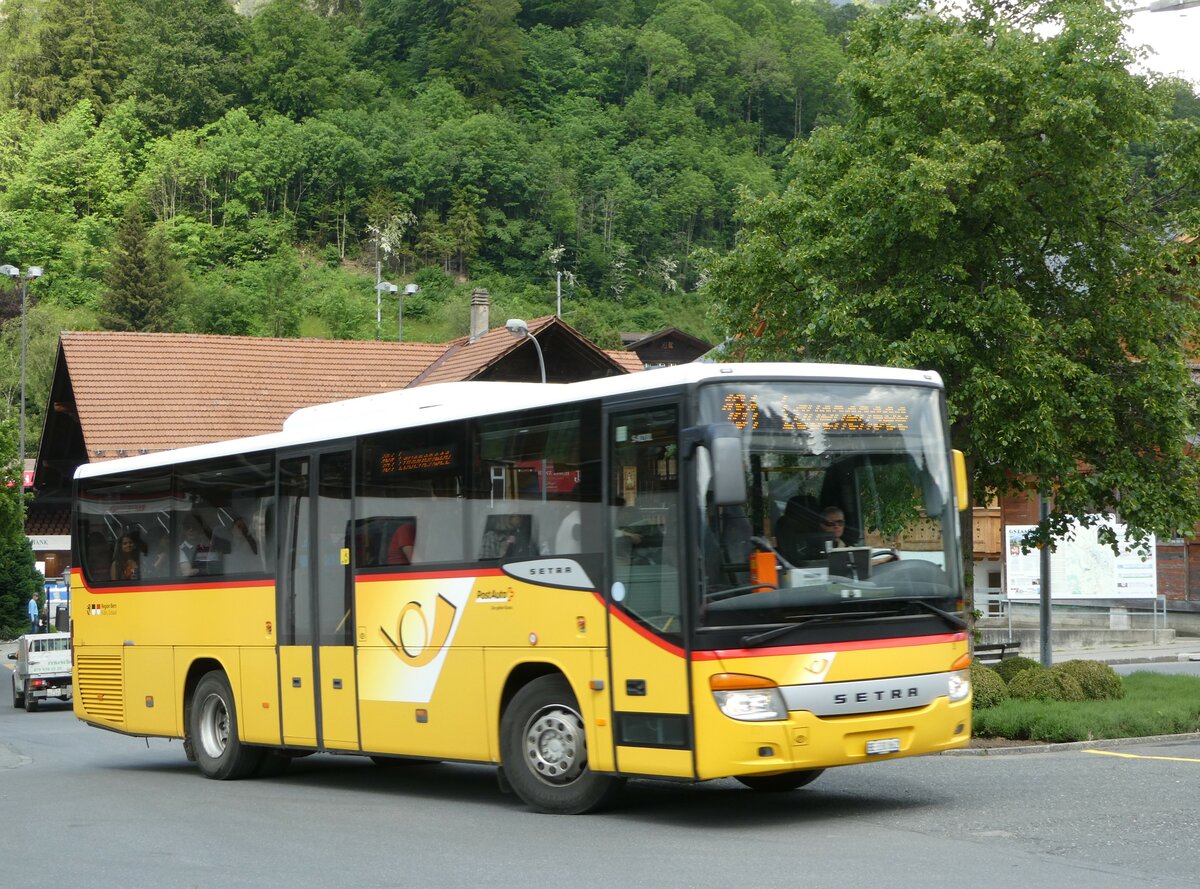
{"x":89,"y":808}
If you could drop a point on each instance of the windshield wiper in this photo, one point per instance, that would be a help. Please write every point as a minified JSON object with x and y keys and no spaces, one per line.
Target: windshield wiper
{"x":953,"y":619}
{"x":784,"y":629}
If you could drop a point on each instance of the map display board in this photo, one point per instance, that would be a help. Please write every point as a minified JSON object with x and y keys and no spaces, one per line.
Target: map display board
{"x":1080,"y":568}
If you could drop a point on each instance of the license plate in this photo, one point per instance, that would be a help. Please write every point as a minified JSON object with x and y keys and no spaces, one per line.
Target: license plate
{"x":883,"y":745}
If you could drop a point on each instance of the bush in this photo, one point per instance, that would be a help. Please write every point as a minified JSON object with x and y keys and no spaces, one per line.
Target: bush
{"x":1011,"y":666}
{"x":1154,"y":704}
{"x":1099,"y":682}
{"x":987,"y":687}
{"x":1054,"y":684}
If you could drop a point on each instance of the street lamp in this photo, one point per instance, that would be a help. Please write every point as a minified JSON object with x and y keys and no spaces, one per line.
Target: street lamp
{"x":381,"y":288}
{"x":409,"y":290}
{"x":31,"y":273}
{"x":517,"y":327}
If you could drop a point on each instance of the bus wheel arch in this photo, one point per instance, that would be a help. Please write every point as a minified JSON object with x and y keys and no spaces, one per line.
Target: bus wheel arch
{"x":212,"y":730}
{"x":543,"y":749}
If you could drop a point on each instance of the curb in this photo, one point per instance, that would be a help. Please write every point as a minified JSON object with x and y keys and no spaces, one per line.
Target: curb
{"x":1097,"y":744}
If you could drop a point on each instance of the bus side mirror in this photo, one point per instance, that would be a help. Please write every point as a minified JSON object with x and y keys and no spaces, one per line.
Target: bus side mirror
{"x":960,"y":480}
{"x":723,"y":441}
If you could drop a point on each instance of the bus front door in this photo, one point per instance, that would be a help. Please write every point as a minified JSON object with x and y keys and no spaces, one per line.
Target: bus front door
{"x":652,"y":726}
{"x":318,"y":696}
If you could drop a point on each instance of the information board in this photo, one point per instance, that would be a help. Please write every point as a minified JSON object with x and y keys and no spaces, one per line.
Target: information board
{"x":1080,"y":568}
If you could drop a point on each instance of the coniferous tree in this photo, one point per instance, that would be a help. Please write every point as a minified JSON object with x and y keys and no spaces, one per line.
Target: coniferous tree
{"x":143,"y":279}
{"x":77,"y":58}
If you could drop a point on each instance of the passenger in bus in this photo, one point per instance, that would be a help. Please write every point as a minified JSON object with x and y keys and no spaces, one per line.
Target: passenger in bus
{"x":508,"y":536}
{"x":195,"y":553}
{"x":400,"y":547}
{"x":127,"y":561}
{"x":99,"y":561}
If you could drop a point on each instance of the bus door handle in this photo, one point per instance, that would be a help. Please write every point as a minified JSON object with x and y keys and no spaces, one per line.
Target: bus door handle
{"x":337,"y":683}
{"x":635,"y":687}
{"x":296,"y":682}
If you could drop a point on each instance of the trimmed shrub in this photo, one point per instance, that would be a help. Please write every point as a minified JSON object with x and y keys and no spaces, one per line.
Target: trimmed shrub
{"x":1054,"y":684}
{"x":1099,"y":682}
{"x":986,"y":686}
{"x":1011,"y":666}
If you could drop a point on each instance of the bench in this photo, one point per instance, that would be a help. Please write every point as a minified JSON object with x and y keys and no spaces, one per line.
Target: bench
{"x":995,"y":652}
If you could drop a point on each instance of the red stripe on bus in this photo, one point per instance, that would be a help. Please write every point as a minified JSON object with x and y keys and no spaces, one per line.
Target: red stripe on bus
{"x":645,"y":633}
{"x":429,"y":575}
{"x":176,"y":587}
{"x":859,"y":645}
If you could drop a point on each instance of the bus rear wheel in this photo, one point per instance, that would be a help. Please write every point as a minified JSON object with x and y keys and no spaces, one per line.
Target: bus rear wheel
{"x":543,"y":750}
{"x":780,"y":783}
{"x":213,"y":732}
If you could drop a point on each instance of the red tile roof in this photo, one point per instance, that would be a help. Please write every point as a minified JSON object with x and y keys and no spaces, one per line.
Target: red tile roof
{"x":164,"y":390}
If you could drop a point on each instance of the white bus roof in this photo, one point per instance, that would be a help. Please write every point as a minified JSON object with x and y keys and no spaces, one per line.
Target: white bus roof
{"x":444,"y":402}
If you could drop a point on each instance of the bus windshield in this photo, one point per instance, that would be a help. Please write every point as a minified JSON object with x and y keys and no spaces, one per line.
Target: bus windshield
{"x":849,"y":487}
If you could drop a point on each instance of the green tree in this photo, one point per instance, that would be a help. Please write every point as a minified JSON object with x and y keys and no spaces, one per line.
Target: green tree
{"x":143,"y":280}
{"x":77,"y":58}
{"x":980,"y":214}
{"x":293,"y":60}
{"x":19,"y":578}
{"x":183,"y":60}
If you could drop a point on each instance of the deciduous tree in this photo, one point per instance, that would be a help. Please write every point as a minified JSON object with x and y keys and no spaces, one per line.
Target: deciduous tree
{"x":980,"y":214}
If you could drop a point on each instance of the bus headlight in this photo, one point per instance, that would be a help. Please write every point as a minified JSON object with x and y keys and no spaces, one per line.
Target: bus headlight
{"x":749,"y":698}
{"x":960,"y":685}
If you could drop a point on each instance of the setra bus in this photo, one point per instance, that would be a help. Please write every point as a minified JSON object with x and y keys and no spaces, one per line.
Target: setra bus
{"x":706,"y":571}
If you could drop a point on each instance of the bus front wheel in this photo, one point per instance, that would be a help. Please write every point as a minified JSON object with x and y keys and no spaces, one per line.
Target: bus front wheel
{"x":214,"y":734}
{"x":543,"y":750}
{"x":782,"y":782}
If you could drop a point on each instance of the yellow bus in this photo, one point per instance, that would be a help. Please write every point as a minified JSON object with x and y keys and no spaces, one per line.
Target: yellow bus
{"x":706,"y":571}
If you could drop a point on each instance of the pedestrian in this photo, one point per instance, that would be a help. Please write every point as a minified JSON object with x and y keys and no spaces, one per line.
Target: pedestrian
{"x":33,"y":613}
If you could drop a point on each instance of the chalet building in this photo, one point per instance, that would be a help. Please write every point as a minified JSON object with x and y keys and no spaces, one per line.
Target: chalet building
{"x":667,"y":347}
{"x":117,"y":394}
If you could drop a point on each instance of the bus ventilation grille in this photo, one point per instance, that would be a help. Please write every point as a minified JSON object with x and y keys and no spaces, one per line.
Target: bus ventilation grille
{"x":101,"y":686}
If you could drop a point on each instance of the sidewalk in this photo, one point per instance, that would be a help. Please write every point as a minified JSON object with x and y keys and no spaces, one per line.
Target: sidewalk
{"x":1186,"y":648}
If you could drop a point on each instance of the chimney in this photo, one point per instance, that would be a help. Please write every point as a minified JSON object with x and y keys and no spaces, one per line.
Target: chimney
{"x":480,"y":306}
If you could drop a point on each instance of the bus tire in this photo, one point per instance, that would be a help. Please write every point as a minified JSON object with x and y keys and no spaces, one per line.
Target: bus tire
{"x":543,"y":750}
{"x":782,"y":782}
{"x":18,"y":698}
{"x":214,"y":732}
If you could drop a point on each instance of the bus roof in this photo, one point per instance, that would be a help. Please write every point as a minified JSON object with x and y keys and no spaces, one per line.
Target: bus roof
{"x":444,"y":402}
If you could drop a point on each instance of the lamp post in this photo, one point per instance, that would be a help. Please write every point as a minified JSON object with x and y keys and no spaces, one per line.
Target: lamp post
{"x":409,"y":290}
{"x":381,"y":288}
{"x":31,"y":273}
{"x":519,"y":328}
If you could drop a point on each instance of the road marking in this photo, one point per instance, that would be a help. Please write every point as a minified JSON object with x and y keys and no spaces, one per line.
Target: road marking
{"x":1140,"y":756}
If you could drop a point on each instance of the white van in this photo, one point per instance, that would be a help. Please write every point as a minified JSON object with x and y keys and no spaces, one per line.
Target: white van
{"x":43,"y":671}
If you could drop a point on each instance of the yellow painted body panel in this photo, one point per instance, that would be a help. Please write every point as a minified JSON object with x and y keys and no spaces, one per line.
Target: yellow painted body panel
{"x":663,"y":672}
{"x":728,"y":746}
{"x":434,"y":655}
{"x":297,"y":695}
{"x":151,"y":706}
{"x":258,"y":696}
{"x":339,"y":705}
